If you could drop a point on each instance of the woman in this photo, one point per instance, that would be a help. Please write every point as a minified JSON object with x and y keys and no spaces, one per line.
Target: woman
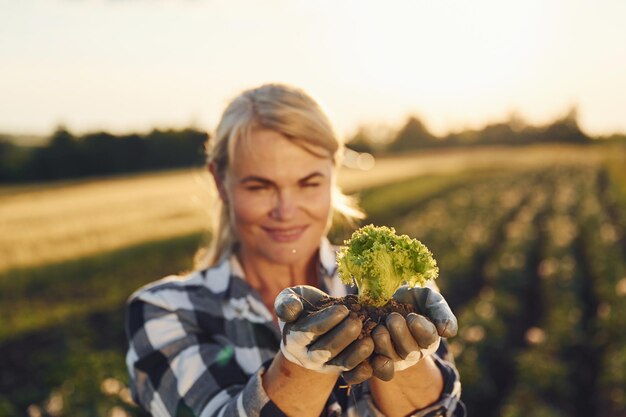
{"x":228,"y":339}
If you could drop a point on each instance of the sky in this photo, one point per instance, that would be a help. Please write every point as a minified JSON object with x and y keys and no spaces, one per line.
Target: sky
{"x":134,"y":65}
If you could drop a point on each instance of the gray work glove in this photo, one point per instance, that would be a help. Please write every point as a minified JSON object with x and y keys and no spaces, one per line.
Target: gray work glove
{"x":399,"y":343}
{"x":324,"y":341}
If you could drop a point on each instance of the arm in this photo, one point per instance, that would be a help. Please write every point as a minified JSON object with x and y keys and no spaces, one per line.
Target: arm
{"x":174,"y":365}
{"x":376,"y":398}
{"x":419,"y":381}
{"x":175,"y":362}
{"x":285,"y":381}
{"x":315,"y":348}
{"x":413,"y":389}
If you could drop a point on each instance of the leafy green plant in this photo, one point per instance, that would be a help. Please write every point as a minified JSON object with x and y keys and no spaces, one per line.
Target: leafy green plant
{"x":379,"y":261}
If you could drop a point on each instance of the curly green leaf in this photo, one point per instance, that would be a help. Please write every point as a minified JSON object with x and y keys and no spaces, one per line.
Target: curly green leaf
{"x":378,"y":261}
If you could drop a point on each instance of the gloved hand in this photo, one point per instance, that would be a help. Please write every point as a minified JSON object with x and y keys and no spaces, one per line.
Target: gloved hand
{"x":324,"y":341}
{"x":401,"y":343}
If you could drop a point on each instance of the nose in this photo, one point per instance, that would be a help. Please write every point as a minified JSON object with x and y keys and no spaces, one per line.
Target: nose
{"x":285,"y":206}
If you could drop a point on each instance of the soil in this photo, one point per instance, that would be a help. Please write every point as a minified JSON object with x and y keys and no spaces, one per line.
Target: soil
{"x":370,"y":316}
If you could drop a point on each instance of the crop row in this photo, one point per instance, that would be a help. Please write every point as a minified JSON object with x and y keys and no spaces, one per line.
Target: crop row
{"x":539,"y":291}
{"x":465,"y":226}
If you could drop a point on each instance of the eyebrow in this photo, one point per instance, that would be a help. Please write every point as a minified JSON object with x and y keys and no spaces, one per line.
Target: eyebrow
{"x":254,"y":178}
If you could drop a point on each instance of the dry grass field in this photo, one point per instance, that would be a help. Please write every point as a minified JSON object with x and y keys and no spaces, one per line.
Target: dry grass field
{"x":45,"y":223}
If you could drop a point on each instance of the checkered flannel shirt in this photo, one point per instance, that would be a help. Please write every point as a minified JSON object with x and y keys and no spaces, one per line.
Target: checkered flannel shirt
{"x":199,"y":345}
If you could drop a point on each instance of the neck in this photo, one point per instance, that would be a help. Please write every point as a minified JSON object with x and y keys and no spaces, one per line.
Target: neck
{"x":270,"y":278}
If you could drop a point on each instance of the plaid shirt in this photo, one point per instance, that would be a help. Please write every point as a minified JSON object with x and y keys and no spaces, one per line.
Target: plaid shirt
{"x":200,"y":344}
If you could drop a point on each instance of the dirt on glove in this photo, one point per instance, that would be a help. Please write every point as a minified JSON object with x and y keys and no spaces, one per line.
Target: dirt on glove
{"x":370,"y":316}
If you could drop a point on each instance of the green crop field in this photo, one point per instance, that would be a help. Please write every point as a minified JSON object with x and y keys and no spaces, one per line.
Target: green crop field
{"x":534,"y":264}
{"x":531,"y":244}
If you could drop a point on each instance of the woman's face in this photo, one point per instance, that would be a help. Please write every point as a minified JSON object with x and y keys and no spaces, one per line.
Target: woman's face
{"x":279,"y":197}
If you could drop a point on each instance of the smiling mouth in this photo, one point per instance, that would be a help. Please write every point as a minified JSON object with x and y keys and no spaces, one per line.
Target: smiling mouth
{"x":285,"y":234}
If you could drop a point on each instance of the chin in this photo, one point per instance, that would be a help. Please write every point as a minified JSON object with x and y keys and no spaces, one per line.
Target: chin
{"x":286,"y":254}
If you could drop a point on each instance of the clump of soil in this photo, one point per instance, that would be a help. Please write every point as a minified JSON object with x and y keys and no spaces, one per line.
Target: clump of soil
{"x":370,"y":316}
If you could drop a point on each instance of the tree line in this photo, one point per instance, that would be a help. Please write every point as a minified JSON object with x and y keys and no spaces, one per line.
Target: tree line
{"x":414,"y":134}
{"x":65,"y":155}
{"x":68,"y":156}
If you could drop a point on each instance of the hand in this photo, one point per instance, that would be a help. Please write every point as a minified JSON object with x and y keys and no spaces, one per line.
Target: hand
{"x":401,"y":343}
{"x":324,"y":341}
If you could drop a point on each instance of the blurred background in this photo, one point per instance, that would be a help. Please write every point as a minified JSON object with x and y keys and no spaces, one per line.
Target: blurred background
{"x":494,"y":132}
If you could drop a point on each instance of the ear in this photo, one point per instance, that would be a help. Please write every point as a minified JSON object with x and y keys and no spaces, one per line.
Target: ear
{"x":219,"y":183}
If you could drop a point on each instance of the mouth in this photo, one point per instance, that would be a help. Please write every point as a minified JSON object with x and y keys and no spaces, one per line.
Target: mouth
{"x":285,"y":234}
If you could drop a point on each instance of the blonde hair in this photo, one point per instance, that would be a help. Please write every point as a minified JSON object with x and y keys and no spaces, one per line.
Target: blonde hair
{"x":286,"y":110}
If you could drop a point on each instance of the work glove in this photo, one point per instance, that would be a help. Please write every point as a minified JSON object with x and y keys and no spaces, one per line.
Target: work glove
{"x":324,"y":341}
{"x":400,"y":343}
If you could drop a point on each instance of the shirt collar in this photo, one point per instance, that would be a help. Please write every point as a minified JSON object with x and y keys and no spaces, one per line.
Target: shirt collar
{"x":328,"y":256}
{"x":329,"y":281}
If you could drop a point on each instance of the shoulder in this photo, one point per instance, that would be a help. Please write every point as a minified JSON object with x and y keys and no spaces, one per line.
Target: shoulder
{"x":182,"y":291}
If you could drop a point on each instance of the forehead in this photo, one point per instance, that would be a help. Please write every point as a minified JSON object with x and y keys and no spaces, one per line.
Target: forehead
{"x":268,"y":154}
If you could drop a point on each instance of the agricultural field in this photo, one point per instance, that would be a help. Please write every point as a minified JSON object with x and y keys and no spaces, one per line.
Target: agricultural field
{"x":46,"y":223}
{"x":531,"y":244}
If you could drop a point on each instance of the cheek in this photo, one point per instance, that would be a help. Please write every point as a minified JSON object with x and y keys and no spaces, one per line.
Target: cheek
{"x":246,"y":210}
{"x":320,"y":206}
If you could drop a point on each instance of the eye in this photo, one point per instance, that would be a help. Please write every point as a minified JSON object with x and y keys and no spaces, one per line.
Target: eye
{"x":257,"y":187}
{"x":311,"y":184}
